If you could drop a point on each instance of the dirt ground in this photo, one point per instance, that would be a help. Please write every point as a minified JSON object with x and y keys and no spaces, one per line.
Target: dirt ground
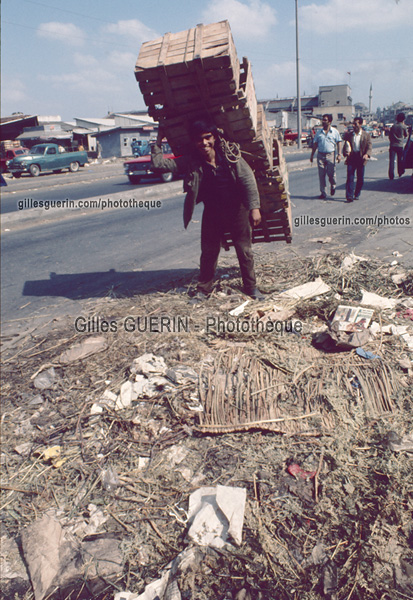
{"x":317,"y":435}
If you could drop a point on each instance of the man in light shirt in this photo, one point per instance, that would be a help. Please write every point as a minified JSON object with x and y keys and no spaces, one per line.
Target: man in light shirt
{"x":357,"y":150}
{"x":328,"y":143}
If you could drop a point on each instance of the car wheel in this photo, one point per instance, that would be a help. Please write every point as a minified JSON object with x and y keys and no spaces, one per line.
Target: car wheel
{"x":34,"y":170}
{"x":166,"y":177}
{"x":134,"y":178}
{"x":74,"y":166}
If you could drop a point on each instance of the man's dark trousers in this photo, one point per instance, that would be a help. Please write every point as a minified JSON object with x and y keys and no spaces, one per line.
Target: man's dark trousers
{"x":215,"y":223}
{"x":395,"y":151}
{"x":355,"y":170}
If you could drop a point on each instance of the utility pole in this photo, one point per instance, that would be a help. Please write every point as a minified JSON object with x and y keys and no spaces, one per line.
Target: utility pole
{"x":298,"y":78}
{"x":370,"y":98}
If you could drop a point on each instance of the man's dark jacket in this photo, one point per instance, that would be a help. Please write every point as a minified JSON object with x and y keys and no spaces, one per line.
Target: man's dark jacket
{"x":192,"y":169}
{"x":365,"y":144}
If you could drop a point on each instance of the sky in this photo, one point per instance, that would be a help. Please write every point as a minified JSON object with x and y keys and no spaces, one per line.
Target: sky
{"x":77,"y":58}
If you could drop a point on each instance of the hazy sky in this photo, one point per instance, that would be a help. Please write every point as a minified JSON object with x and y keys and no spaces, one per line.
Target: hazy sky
{"x":77,"y":58}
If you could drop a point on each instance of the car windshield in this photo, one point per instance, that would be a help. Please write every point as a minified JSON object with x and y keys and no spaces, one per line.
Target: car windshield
{"x":39,"y":150}
{"x":18,"y":152}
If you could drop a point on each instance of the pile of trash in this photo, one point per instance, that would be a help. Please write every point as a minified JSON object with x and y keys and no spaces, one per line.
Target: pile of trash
{"x":165,"y":447}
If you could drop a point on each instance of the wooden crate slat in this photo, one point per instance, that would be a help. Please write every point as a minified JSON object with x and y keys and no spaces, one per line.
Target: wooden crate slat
{"x":196,"y":73}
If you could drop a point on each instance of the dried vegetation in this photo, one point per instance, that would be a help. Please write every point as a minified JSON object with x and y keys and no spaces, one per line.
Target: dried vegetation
{"x":339,"y":528}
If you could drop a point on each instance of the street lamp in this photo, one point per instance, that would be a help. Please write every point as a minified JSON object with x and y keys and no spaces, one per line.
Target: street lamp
{"x":298,"y":79}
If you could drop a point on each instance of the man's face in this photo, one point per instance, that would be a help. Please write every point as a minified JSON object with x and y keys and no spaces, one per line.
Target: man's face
{"x":356,"y":126}
{"x":205,"y":145}
{"x":325,"y":122}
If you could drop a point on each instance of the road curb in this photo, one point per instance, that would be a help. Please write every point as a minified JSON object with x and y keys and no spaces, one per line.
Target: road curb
{"x":35,"y":216}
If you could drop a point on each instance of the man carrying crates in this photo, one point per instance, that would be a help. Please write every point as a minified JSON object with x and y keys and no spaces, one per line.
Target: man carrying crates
{"x":226,"y":185}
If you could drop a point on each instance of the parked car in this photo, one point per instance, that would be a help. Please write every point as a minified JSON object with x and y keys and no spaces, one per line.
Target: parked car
{"x":47,"y":157}
{"x":291,"y":136}
{"x":140,"y":167}
{"x":141,"y":147}
{"x":8,"y":155}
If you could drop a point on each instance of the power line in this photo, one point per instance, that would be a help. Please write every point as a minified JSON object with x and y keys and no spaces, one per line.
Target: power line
{"x":67,"y":11}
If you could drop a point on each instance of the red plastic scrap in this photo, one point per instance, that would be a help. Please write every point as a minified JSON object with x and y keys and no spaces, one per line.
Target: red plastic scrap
{"x":406,"y":314}
{"x":296,"y":471}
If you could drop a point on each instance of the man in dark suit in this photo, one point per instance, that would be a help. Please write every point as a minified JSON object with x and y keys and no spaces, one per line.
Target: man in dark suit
{"x":357,"y":150}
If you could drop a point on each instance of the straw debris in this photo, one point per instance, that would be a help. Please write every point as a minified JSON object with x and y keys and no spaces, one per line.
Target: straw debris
{"x":114,"y":449}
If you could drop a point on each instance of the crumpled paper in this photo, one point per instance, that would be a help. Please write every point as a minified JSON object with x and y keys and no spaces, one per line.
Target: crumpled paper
{"x":216,"y":514}
{"x":56,"y":560}
{"x":89,"y":346}
{"x":307,"y":290}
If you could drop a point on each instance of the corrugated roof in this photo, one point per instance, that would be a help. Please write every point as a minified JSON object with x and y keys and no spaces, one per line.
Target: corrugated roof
{"x":45,"y":135}
{"x":15,"y":118}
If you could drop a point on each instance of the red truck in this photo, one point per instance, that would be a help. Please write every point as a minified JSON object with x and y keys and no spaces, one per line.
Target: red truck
{"x":7,"y":155}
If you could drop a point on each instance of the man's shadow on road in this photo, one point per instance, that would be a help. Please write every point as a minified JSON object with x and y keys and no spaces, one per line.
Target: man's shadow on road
{"x":398,"y":185}
{"x":110,"y":283}
{"x":340,"y":196}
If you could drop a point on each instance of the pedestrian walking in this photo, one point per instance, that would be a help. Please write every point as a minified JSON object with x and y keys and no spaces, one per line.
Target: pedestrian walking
{"x":357,"y":151}
{"x":398,"y":132}
{"x":328,"y":143}
{"x":226,"y":185}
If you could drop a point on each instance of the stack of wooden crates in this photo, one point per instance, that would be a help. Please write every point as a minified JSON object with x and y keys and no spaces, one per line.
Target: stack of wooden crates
{"x":195,"y":73}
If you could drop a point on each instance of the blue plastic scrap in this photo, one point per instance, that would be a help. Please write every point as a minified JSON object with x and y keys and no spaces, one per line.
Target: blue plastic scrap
{"x":366,"y":354}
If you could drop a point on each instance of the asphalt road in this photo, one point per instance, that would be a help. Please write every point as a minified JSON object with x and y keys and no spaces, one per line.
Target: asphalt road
{"x":53,"y":262}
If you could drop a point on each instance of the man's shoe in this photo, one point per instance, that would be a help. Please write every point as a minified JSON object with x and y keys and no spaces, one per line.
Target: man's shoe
{"x":322,"y":196}
{"x":332,"y":190}
{"x":198,"y":294}
{"x":255,"y":294}
{"x":349,"y":199}
{"x":356,"y":197}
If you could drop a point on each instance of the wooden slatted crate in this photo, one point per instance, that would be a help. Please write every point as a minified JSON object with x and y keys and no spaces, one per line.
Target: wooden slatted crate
{"x":196,"y":73}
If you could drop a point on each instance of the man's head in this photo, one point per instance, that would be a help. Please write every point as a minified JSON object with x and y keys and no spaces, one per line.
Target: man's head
{"x":203,"y":135}
{"x":326,"y":121}
{"x":400,"y":117}
{"x":357,"y":124}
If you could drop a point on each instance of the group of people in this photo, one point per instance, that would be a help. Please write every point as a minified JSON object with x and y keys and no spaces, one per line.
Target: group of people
{"x":224,"y":182}
{"x":356,"y":152}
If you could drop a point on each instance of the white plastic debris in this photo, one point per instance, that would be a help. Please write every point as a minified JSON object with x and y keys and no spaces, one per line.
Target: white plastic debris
{"x":349,"y":261}
{"x":125,"y":596}
{"x":408,"y":339}
{"x":165,"y":588}
{"x":89,"y":346}
{"x":307,"y":290}
{"x":126,"y":395}
{"x":216,"y":515}
{"x":182,"y":374}
{"x":398,"y":278}
{"x":107,"y":401}
{"x":371,"y":299}
{"x":45,"y":379}
{"x":149,"y":364}
{"x":239,"y":309}
{"x":402,"y":444}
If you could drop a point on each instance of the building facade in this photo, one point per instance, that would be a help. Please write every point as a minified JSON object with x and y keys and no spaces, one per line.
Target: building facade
{"x":333,"y":99}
